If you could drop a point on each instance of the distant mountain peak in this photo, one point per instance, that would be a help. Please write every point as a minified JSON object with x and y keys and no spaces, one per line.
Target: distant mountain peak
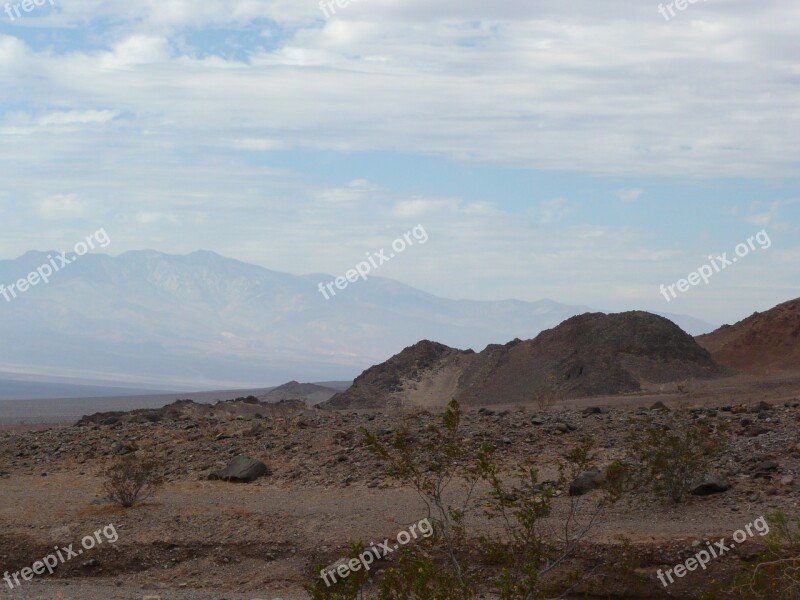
{"x":206,"y":321}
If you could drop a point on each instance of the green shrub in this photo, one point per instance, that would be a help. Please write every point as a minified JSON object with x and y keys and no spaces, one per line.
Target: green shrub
{"x":527,"y":540}
{"x":132,"y":479}
{"x":669,"y":458}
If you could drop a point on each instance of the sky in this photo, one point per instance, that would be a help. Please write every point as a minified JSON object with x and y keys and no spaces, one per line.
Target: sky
{"x":583,"y":151}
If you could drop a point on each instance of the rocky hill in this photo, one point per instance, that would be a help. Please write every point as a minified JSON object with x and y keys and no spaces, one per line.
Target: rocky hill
{"x":761,"y":344}
{"x":421,"y":374}
{"x":310,"y":393}
{"x":588,"y":355}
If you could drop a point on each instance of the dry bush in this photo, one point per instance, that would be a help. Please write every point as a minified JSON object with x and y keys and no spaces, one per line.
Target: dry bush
{"x":460,"y":560}
{"x":775,"y":574}
{"x":544,"y":400}
{"x":132,"y":479}
{"x":669,"y":457}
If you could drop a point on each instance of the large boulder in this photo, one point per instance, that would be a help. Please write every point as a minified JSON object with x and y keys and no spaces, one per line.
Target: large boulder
{"x":241,"y":469}
{"x":710,"y":484}
{"x":587,"y":481}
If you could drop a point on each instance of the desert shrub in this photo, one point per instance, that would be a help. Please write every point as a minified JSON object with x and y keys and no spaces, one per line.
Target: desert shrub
{"x":132,"y":479}
{"x":545,"y":398}
{"x":348,"y":588}
{"x":775,"y":574}
{"x":528,"y":538}
{"x":668,"y":458}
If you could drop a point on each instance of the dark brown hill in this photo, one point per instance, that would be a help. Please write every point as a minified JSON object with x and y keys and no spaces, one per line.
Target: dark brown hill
{"x":588,"y":355}
{"x":762,"y":344}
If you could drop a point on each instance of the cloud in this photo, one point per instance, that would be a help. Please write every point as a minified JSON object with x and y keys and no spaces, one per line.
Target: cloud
{"x":578,"y":88}
{"x":419,"y":207}
{"x":629,"y":195}
{"x":256,"y":144}
{"x":767,"y":213}
{"x":61,"y":206}
{"x":355,"y":192}
{"x":76,"y":117}
{"x":552,"y":211}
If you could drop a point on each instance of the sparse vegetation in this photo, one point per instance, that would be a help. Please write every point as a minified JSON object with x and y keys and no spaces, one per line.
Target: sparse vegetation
{"x":544,"y":399}
{"x":775,"y":575}
{"x":669,"y":457}
{"x":132,"y":479}
{"x":528,"y":542}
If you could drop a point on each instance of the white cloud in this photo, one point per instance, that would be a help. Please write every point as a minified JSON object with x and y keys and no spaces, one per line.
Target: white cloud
{"x":74,"y":117}
{"x":419,"y":207}
{"x":552,"y":211}
{"x":609,"y":90}
{"x":356,"y":191}
{"x":767,"y":213}
{"x":629,"y":195}
{"x":61,"y":206}
{"x":256,"y":144}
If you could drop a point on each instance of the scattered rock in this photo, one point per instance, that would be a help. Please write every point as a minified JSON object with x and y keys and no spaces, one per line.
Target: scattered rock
{"x":241,"y":469}
{"x":768,"y":466}
{"x":756,"y":430}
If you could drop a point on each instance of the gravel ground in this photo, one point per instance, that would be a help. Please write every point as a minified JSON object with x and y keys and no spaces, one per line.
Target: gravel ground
{"x":212,"y":540}
{"x":110,"y":591}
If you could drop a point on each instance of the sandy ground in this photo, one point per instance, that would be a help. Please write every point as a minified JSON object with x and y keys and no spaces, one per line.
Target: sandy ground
{"x":213,"y":540}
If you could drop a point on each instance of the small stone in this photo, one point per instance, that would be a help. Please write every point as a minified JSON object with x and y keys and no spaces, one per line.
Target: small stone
{"x":768,"y":466}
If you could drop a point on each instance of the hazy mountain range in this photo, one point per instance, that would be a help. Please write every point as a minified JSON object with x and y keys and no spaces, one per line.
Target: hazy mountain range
{"x":202,"y":321}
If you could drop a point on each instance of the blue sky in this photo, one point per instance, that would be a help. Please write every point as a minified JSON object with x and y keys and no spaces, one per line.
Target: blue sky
{"x":586,"y":152}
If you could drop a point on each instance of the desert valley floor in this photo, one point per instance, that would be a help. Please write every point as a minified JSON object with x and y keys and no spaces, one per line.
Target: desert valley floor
{"x":213,"y":540}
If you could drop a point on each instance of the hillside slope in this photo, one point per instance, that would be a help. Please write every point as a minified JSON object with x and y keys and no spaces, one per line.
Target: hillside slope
{"x":762,"y":344}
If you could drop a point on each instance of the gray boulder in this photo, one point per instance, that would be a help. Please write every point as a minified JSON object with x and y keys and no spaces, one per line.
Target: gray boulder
{"x":710,"y":484}
{"x":586,"y":482}
{"x":241,"y":469}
